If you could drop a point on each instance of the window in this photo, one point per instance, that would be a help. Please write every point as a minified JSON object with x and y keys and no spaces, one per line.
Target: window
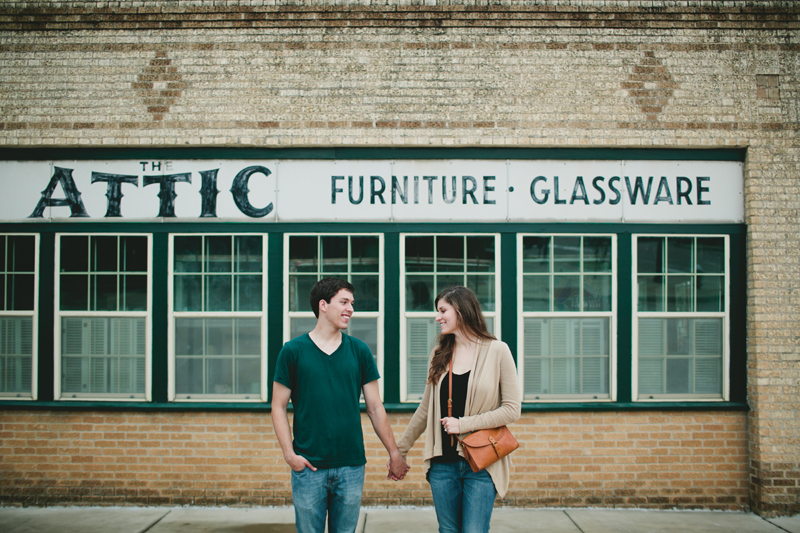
{"x":356,"y":258}
{"x":103,"y":302}
{"x":430,"y":264}
{"x":681,"y":324}
{"x":218,"y":319}
{"x":18,"y":296}
{"x":566,"y":310}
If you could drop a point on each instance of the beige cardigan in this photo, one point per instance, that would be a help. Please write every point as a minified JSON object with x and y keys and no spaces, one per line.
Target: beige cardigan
{"x":493,"y":400}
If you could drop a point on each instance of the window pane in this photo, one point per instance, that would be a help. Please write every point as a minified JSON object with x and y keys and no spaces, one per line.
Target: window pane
{"x":73,"y":292}
{"x":449,"y":254}
{"x":103,"y":295}
{"x":597,"y":293}
{"x":302,"y":254}
{"x":680,"y":255}
{"x":444,"y":281}
{"x":20,"y":292}
{"x":188,"y":293}
{"x":480,"y":254}
{"x":651,"y":293}
{"x":188,"y":375}
{"x":248,"y":376}
{"x":3,"y":265}
{"x":219,"y":336}
{"x":74,"y":254}
{"x":16,"y":349}
{"x":364,"y":251}
{"x":597,"y":254}
{"x":133,"y":254}
{"x":21,"y":253}
{"x":679,"y":376}
{"x":3,"y":304}
{"x":365,"y":329}
{"x":219,"y":376}
{"x":710,"y":255}
{"x":421,"y":334}
{"x":483,"y":287}
{"x":301,"y":325}
{"x":189,"y":336}
{"x":248,"y":293}
{"x":680,"y":293}
{"x":419,"y":293}
{"x":566,"y":254}
{"x":536,"y":254}
{"x":367,"y":292}
{"x":566,"y":293}
{"x":249,"y":255}
{"x":334,"y":255}
{"x":299,"y":291}
{"x":710,"y":294}
{"x":188,"y":254}
{"x":536,"y":293}
{"x":419,"y":254}
{"x":218,"y":293}
{"x":219,"y":254}
{"x":650,"y":255}
{"x":133,"y":289}
{"x":104,"y":254}
{"x":248,"y":336}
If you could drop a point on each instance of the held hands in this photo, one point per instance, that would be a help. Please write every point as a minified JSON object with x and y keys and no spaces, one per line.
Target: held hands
{"x":398,"y":468}
{"x":452,"y":426}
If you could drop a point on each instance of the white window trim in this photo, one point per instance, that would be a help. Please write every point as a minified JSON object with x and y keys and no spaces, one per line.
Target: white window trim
{"x":147,"y":315}
{"x":432,"y":314}
{"x":173,"y":316}
{"x":34,"y":314}
{"x":636,"y":315}
{"x":611,"y":315}
{"x":379,"y":357}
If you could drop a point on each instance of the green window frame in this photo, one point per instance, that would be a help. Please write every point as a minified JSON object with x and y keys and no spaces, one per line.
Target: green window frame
{"x":217,"y":317}
{"x":103,"y":291}
{"x":19,"y":284}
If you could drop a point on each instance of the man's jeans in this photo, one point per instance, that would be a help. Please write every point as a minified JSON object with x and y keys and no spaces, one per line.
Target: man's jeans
{"x":463,"y":499}
{"x":335,"y":491}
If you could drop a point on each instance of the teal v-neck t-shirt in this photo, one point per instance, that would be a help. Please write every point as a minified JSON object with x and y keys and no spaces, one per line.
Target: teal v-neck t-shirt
{"x":325,"y":397}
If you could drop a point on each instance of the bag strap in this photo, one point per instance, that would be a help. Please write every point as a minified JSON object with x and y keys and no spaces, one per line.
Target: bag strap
{"x":450,"y":396}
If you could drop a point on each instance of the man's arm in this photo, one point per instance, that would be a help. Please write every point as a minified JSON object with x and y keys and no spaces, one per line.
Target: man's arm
{"x":380,"y":422}
{"x":280,"y":423}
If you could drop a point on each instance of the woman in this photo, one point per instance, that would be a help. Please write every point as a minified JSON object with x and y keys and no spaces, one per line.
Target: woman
{"x":485,"y":395}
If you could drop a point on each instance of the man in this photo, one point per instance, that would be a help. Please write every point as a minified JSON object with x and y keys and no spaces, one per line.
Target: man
{"x":323,"y":373}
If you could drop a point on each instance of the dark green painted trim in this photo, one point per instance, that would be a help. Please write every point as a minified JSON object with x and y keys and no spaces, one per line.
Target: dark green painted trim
{"x":508,"y":290}
{"x":150,"y":154}
{"x":275,"y":302}
{"x":160,"y":320}
{"x":624,"y":318}
{"x":46,"y":319}
{"x":738,"y":318}
{"x":390,"y":407}
{"x":391,"y":317}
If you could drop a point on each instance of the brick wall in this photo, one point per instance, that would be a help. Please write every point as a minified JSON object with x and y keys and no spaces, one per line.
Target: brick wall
{"x":705,"y":74}
{"x":660,"y":460}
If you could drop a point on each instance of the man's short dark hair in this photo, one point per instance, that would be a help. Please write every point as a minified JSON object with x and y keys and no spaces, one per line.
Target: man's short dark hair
{"x":327,"y":288}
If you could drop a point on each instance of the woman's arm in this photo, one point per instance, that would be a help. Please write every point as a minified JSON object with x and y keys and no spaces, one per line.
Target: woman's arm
{"x":510,"y":407}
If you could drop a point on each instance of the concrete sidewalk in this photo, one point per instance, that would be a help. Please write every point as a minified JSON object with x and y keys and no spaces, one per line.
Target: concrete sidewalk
{"x":373,"y":520}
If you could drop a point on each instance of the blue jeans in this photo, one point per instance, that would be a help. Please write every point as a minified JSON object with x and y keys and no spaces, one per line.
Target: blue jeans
{"x":332,"y":491}
{"x":463,"y":499}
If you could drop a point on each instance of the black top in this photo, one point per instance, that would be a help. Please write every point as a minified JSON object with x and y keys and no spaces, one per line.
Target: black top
{"x":449,"y":453}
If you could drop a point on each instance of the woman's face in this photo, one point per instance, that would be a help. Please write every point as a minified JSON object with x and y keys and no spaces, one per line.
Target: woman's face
{"x":447,"y":317}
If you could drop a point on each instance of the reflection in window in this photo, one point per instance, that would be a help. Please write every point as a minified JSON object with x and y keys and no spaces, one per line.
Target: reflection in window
{"x":432,"y":263}
{"x":566,"y":356}
{"x":17,"y":306}
{"x":680,"y":353}
{"x":218,"y":295}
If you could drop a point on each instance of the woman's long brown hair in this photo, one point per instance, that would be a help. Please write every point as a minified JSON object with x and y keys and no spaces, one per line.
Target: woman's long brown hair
{"x":470,"y":322}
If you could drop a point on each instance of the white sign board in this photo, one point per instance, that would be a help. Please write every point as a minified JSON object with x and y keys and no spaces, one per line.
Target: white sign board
{"x":460,"y":190}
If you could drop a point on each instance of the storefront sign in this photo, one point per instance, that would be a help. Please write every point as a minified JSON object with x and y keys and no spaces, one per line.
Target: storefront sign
{"x":373,"y":190}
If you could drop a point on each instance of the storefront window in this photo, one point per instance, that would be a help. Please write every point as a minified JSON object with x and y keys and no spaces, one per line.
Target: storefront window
{"x":355,"y":258}
{"x":218,"y":291}
{"x":103,"y":303}
{"x":681,"y":316}
{"x":432,"y":263}
{"x":567,"y":303}
{"x":17,"y":314}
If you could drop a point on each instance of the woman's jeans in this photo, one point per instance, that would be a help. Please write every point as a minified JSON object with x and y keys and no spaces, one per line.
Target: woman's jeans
{"x":463,"y":499}
{"x":332,"y":491}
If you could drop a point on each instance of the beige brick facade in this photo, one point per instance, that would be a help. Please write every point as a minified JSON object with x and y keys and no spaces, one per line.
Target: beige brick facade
{"x":559,"y":74}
